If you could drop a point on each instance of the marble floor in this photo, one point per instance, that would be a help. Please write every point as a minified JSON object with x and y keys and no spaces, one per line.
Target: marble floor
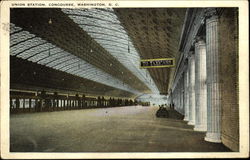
{"x":119,"y":129}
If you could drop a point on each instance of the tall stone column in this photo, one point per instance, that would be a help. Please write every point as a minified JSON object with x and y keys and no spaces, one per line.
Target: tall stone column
{"x":179,"y":95}
{"x":186,"y":92}
{"x":213,"y":93}
{"x":200,"y":86}
{"x":191,"y":88}
{"x":182,"y":94}
{"x":171,"y":98}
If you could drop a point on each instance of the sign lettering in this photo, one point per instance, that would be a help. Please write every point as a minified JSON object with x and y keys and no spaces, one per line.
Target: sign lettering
{"x":157,"y":63}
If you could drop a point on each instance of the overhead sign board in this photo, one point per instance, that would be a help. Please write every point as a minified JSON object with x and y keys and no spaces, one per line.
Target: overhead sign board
{"x":157,"y":63}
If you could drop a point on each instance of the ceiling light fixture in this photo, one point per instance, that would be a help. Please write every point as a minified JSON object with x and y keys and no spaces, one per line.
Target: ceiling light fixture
{"x":50,"y":21}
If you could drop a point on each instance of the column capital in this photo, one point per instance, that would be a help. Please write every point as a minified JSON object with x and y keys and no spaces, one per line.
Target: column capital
{"x":199,"y":40}
{"x":211,"y":13}
{"x":190,"y":53}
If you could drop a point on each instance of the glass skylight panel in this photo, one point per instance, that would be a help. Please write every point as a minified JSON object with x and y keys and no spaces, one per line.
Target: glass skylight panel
{"x":61,"y":61}
{"x":94,"y":13}
{"x":79,"y":67}
{"x":58,"y":61}
{"x":64,"y":64}
{"x":14,"y":28}
{"x":108,"y":18}
{"x":113,"y":36}
{"x":50,"y":49}
{"x":68,"y":11}
{"x":20,"y":36}
{"x":112,"y":40}
{"x":74,"y":63}
{"x":19,"y":48}
{"x":74,"y":69}
{"x":38,"y":57}
{"x":84,"y":72}
{"x":106,"y":35}
{"x":17,"y":40}
{"x":86,"y":21}
{"x":111,"y":43}
{"x":89,"y":73}
{"x":103,"y":29}
{"x":33,"y":50}
{"x":115,"y":49}
{"x":52,"y":57}
{"x":44,"y":53}
{"x":86,"y":67}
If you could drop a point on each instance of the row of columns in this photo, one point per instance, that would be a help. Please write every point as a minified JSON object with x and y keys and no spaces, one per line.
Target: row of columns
{"x":178,"y":97}
{"x":200,"y":83}
{"x":191,"y":88}
{"x":213,"y":92}
{"x":200,"y":86}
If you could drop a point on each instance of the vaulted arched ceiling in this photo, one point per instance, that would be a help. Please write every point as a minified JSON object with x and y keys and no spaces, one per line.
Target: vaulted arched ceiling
{"x":155,"y":32}
{"x":100,"y":45}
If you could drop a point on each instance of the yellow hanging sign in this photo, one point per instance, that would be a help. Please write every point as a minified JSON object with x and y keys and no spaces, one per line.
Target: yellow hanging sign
{"x":157,"y":63}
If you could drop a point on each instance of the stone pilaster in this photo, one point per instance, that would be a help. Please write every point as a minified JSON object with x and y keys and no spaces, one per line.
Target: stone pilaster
{"x":213,"y":93}
{"x":200,"y":86}
{"x":186,"y":93}
{"x":191,"y":63}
